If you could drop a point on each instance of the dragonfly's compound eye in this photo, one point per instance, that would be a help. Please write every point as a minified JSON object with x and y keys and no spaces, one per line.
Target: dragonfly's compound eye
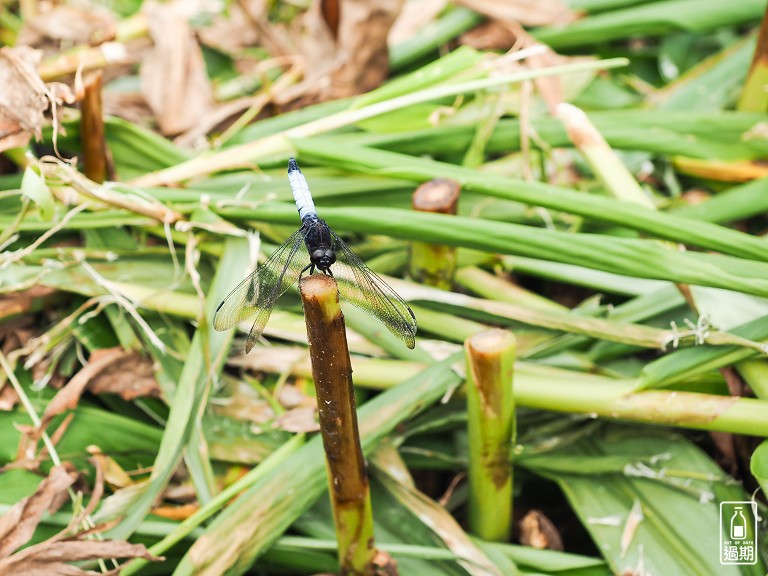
{"x":317,"y":256}
{"x":330,"y":257}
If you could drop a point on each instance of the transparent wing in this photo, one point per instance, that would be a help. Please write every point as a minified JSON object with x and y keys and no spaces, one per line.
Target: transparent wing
{"x":360,"y":285}
{"x":256,"y":295}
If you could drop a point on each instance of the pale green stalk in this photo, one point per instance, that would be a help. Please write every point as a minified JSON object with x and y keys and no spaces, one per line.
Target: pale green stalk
{"x":567,"y":391}
{"x":601,"y":158}
{"x":491,"y":430}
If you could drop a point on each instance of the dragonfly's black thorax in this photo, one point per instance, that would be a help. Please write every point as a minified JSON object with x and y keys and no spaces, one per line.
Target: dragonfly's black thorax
{"x":319,"y":243}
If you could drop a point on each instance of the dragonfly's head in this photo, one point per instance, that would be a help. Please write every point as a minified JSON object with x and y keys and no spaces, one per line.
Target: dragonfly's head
{"x":322,"y":258}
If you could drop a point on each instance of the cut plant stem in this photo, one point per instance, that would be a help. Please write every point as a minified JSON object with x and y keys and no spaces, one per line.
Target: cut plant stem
{"x":491,"y":429}
{"x":332,"y":372}
{"x":600,"y":156}
{"x":96,"y":157}
{"x":434,"y":264}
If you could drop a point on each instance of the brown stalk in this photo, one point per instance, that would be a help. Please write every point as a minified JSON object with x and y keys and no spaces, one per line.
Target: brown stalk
{"x":96,"y":156}
{"x":332,"y":372}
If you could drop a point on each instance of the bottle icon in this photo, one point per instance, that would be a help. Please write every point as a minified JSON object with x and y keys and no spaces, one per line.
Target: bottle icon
{"x":738,"y":525}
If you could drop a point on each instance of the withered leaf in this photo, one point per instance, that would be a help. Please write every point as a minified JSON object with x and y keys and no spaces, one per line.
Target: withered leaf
{"x":177,"y":513}
{"x":48,"y":558}
{"x":129,"y":375}
{"x":63,"y":26}
{"x":111,"y":370}
{"x":232,"y":32}
{"x":22,"y":99}
{"x":298,"y":420}
{"x":8,"y":398}
{"x":538,"y":531}
{"x":173,"y":76}
{"x":491,"y":35}
{"x":523,"y":12}
{"x":355,"y":58}
{"x":113,"y":474}
{"x":412,"y":19}
{"x":18,"y":524}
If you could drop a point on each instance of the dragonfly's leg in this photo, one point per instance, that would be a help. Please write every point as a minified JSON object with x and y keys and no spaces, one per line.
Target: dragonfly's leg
{"x":309,"y":267}
{"x":328,"y":271}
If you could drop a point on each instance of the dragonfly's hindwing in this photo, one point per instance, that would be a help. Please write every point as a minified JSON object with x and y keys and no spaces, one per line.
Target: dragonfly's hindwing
{"x":256,"y":295}
{"x":363,"y":288}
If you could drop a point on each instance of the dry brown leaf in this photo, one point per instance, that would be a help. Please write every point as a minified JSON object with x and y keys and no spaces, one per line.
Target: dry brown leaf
{"x":524,"y":12}
{"x":68,"y":397}
{"x":173,"y":76}
{"x":8,"y":398}
{"x":384,"y":564}
{"x":243,"y":404}
{"x":22,"y":100}
{"x":24,"y":97}
{"x":538,"y":531}
{"x":131,"y":106}
{"x":294,"y":397}
{"x":18,"y":524}
{"x":129,"y":375}
{"x":49,"y":558}
{"x":232,"y":32}
{"x":352,"y":59}
{"x":110,"y":370}
{"x":27,"y":456}
{"x":18,"y":303}
{"x":64,"y":26}
{"x":298,"y":420}
{"x":271,"y":36}
{"x":491,"y":35}
{"x":412,"y":19}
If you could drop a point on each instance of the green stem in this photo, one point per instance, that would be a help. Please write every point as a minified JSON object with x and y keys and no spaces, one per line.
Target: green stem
{"x":565,"y":391}
{"x":491,"y":427}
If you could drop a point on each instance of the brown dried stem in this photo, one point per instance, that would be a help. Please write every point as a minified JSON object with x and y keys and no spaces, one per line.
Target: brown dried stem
{"x":332,"y":372}
{"x":98,"y":163}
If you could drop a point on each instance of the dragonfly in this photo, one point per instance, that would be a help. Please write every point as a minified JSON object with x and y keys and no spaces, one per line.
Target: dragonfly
{"x":325,"y":253}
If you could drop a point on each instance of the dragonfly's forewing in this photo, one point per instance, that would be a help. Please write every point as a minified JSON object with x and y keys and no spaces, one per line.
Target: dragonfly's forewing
{"x":362,"y":287}
{"x":256,"y":295}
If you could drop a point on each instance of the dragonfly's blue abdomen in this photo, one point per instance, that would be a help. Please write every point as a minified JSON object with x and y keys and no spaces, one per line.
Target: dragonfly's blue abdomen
{"x":301,"y":194}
